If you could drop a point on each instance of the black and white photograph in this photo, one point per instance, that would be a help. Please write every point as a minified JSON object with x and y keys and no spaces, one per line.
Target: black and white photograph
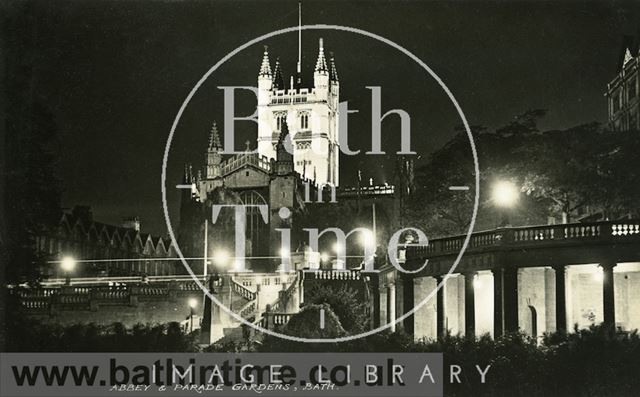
{"x":320,"y":198}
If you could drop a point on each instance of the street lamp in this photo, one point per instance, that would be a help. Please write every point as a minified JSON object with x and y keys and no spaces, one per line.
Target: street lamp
{"x":504,"y":195}
{"x":193,"y":303}
{"x":221,"y":257}
{"x":324,"y":257}
{"x":68,"y":264}
{"x":367,"y":239}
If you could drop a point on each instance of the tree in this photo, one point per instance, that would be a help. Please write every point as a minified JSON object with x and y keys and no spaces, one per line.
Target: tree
{"x":306,"y":324}
{"x":561,"y":167}
{"x":580,"y":170}
{"x":344,"y":302}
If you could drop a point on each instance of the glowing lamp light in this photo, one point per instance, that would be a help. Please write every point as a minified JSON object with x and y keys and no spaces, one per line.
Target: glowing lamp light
{"x":68,"y":264}
{"x":324,"y":257}
{"x":337,"y":247}
{"x":221,"y":257}
{"x":284,"y":253}
{"x":504,"y":194}
{"x":193,"y":303}
{"x":367,"y":239}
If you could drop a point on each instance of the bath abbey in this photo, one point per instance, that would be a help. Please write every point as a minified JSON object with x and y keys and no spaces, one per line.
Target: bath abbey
{"x":295,"y":167}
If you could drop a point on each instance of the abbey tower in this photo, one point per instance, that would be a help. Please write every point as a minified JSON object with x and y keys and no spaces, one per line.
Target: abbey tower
{"x":310,"y":113}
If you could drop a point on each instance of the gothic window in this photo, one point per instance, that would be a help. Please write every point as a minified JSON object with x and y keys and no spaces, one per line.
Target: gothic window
{"x":257,"y":231}
{"x":632,"y":89}
{"x":280,"y":119}
{"x":304,"y":121}
{"x":616,"y":101}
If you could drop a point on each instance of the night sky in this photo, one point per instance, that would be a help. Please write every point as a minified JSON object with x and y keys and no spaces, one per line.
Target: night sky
{"x":114,"y":75}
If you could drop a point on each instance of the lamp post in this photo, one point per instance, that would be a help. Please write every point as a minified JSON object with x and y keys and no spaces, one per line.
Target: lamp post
{"x":193,"y":303}
{"x":340,"y":256}
{"x":504,"y":195}
{"x":285,"y":260}
{"x":68,"y":264}
{"x":368,"y":241}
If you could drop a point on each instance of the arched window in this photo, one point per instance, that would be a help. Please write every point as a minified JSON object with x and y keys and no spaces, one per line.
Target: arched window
{"x":304,"y":121}
{"x":280,"y":119}
{"x":257,"y":231}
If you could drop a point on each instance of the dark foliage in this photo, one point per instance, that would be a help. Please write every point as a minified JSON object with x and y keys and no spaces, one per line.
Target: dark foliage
{"x":35,"y":336}
{"x":591,"y":362}
{"x":566,"y":174}
{"x":343,"y":301}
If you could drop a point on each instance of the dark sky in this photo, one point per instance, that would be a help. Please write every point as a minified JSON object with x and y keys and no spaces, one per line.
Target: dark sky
{"x":114,"y":75}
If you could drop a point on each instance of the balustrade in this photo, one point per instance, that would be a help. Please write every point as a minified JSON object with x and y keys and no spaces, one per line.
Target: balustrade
{"x":242,"y":290}
{"x":334,"y":274}
{"x":526,"y":235}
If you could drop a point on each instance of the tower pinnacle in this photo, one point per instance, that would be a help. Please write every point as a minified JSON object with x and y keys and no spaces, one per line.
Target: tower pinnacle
{"x":321,"y":63}
{"x":333,"y":73}
{"x":214,"y":138}
{"x":265,"y":68}
{"x":278,"y":81}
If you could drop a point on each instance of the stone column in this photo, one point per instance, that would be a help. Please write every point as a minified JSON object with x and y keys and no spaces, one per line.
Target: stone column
{"x":440,"y":311}
{"x":205,"y":328}
{"x":561,"y":298}
{"x":498,"y":302}
{"x":608,"y":297}
{"x":408,"y":304}
{"x":295,"y":297}
{"x":375,"y":293}
{"x":391,"y":298}
{"x":258,"y":301}
{"x":300,"y":287}
{"x":469,"y":305}
{"x":510,"y":298}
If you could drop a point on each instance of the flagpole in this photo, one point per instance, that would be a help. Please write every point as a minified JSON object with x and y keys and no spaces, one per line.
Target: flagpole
{"x":299,"y":67}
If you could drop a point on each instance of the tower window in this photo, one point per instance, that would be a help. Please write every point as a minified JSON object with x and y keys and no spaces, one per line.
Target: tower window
{"x":279,"y":121}
{"x":304,"y":121}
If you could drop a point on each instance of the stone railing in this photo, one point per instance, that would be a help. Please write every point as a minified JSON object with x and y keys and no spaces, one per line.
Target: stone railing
{"x":528,"y":235}
{"x":91,"y":297}
{"x":242,"y":290}
{"x":243,"y":159}
{"x":271,"y":319}
{"x":111,"y":281}
{"x":248,"y":310}
{"x":332,"y":274}
{"x":284,"y":296}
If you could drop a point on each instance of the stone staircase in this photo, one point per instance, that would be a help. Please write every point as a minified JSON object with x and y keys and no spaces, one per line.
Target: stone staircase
{"x":260,"y":310}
